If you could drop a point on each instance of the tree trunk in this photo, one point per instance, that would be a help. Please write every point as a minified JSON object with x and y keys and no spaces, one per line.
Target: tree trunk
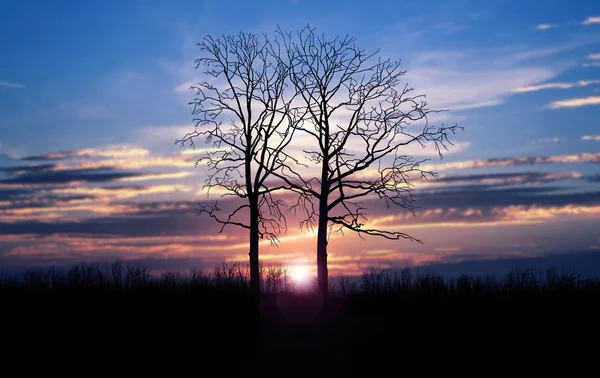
{"x":254,"y":239}
{"x":322,"y":275}
{"x":254,"y":273}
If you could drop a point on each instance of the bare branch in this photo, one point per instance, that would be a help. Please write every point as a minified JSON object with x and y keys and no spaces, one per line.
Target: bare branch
{"x":361,"y":117}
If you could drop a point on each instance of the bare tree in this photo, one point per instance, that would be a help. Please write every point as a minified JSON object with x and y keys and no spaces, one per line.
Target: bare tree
{"x":360,"y":119}
{"x":245,"y":119}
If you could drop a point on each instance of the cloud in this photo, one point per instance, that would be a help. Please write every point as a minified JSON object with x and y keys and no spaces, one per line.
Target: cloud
{"x":477,"y":105}
{"x":152,"y":161}
{"x":8,"y":84}
{"x":448,"y":249}
{"x":516,"y":161}
{"x":158,"y":176}
{"x":450,"y":27}
{"x":595,"y":178}
{"x":11,"y":193}
{"x":109,"y":152}
{"x":187,"y":86}
{"x":46,"y":174}
{"x":591,"y":20}
{"x":114,"y":157}
{"x":591,"y":137}
{"x":520,"y":55}
{"x":25,"y":169}
{"x":486,"y":197}
{"x":535,"y":88}
{"x":125,"y":219}
{"x":497,"y":162}
{"x":168,"y":229}
{"x":594,"y":56}
{"x":462,"y":216}
{"x":500,"y":179}
{"x":462,"y":81}
{"x":547,"y":140}
{"x":585,"y":263}
{"x":177,"y":218}
{"x":73,"y":247}
{"x":545,"y":26}
{"x":575,"y":102}
{"x":592,"y":64}
{"x":110,"y":193}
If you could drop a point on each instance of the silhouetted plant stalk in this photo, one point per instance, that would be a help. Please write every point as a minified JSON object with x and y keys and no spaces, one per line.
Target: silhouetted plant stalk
{"x":235,"y":277}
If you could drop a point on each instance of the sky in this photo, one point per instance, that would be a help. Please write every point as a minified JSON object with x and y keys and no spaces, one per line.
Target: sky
{"x":94,"y":94}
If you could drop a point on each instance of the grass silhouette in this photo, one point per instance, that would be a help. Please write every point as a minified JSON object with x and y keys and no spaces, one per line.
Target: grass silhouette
{"x":121,"y":314}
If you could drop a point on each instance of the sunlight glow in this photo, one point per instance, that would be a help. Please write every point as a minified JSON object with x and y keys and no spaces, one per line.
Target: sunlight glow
{"x":300,"y":274}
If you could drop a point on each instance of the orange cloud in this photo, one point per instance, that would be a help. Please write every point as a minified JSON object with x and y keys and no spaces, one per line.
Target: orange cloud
{"x":147,"y":162}
{"x":158,"y":176}
{"x":546,"y":213}
{"x":107,"y":194}
{"x":66,"y":246}
{"x":499,"y":216}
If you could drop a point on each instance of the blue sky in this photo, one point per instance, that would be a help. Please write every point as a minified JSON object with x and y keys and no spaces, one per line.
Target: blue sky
{"x":96,"y":77}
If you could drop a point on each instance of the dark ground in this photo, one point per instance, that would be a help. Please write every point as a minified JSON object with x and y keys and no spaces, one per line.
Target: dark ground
{"x":90,"y":333}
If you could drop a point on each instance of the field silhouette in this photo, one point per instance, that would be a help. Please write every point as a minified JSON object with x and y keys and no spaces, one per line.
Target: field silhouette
{"x":118,"y":316}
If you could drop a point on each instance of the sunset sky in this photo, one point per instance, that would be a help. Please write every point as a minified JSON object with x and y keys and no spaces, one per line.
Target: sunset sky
{"x":93,"y":95}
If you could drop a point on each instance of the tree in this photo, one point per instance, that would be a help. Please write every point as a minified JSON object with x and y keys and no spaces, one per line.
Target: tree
{"x":360,"y":118}
{"x":246,"y":88}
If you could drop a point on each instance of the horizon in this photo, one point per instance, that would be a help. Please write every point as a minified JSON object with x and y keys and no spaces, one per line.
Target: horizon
{"x":93,"y":97}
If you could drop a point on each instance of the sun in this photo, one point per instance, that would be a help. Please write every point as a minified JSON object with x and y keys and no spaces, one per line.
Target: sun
{"x":299,"y":274}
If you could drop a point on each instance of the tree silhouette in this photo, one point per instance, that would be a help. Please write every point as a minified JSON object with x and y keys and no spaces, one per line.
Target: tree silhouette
{"x":243,"y":115}
{"x":360,"y":118}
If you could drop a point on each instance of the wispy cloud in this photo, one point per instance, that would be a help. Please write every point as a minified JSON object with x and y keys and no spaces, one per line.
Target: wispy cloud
{"x":594,"y":56}
{"x":8,"y":84}
{"x":158,"y":176}
{"x":592,"y":64}
{"x":468,"y":79}
{"x":450,"y":27}
{"x":151,"y":161}
{"x":591,"y":137}
{"x":462,"y":87}
{"x":45,"y":174}
{"x":575,"y":102}
{"x":535,"y":88}
{"x":108,"y":152}
{"x":503,"y":179}
{"x":547,"y":140}
{"x":546,"y":26}
{"x":118,"y":192}
{"x":494,"y":216}
{"x":520,"y":55}
{"x":516,"y":161}
{"x":111,"y":157}
{"x":591,"y":20}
